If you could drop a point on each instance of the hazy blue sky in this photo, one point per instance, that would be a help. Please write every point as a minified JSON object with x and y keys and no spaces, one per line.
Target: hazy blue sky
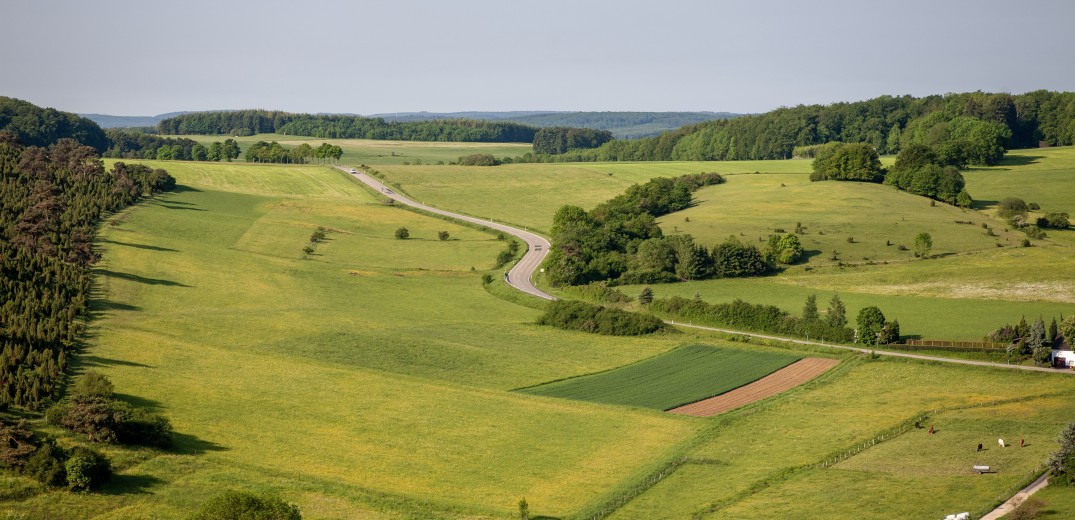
{"x":144,"y":57}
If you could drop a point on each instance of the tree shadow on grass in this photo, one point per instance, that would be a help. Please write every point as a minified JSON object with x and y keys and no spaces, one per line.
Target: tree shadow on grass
{"x":140,"y":402}
{"x":139,"y":246}
{"x":186,"y":444}
{"x":171,"y":205}
{"x":179,"y":188}
{"x":139,"y":279}
{"x":984,"y":204}
{"x":1019,"y":160}
{"x":98,"y":361}
{"x":129,"y":485}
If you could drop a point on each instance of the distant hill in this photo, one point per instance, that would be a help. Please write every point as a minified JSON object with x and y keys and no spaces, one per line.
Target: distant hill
{"x":38,"y":126}
{"x":107,"y":121}
{"x":623,"y":125}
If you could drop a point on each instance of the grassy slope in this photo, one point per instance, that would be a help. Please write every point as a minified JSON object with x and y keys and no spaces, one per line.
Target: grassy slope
{"x":685,"y":375}
{"x":368,"y":378}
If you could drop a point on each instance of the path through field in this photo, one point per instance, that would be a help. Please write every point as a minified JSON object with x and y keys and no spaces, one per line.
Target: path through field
{"x":784,"y":379}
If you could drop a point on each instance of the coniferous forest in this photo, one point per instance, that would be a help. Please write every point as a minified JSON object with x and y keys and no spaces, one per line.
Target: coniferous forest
{"x":51,"y":201}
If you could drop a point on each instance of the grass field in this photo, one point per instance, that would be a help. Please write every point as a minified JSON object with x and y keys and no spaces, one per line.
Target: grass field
{"x":373,"y":379}
{"x":685,"y":375}
{"x":775,"y":459}
{"x":370,"y":378}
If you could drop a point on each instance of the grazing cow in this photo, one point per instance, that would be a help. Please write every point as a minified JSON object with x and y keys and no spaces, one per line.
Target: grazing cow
{"x":979,"y":446}
{"x":1001,"y":443}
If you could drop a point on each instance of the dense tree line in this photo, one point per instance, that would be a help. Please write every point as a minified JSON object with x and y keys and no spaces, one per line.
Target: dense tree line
{"x":760,"y":318}
{"x":51,"y":200}
{"x":560,"y":139}
{"x":36,"y":126}
{"x":275,"y":152}
{"x":127,"y":144}
{"x":623,"y":125}
{"x":976,"y":125}
{"x":250,"y":122}
{"x":585,"y":317}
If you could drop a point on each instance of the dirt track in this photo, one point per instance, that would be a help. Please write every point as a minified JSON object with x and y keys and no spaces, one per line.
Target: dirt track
{"x":784,"y":379}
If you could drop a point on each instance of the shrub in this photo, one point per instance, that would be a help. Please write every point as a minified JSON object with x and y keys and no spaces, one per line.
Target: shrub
{"x":403,"y":233}
{"x":46,"y":465}
{"x":1034,"y":232}
{"x":487,"y":279}
{"x":17,"y":443}
{"x":86,"y":469}
{"x":1033,"y":206}
{"x":582,"y":316}
{"x":442,"y":235}
{"x":93,"y":384}
{"x":479,"y":159}
{"x":1011,"y":206}
{"x":1055,"y":220}
{"x":112,"y":421}
{"x":241,"y":505}
{"x":646,"y":296}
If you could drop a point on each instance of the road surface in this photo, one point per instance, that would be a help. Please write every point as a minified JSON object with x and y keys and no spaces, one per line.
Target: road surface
{"x":520,"y":275}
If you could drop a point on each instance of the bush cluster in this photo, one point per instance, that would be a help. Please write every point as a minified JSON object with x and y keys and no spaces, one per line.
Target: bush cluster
{"x":756,"y":317}
{"x":78,"y":469}
{"x":91,"y":411}
{"x":582,"y":316}
{"x":241,"y":505}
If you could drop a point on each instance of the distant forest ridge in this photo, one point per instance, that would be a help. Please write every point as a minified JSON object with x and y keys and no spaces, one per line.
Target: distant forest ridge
{"x":967,"y":123}
{"x":250,"y":122}
{"x":107,"y":121}
{"x":623,"y":125}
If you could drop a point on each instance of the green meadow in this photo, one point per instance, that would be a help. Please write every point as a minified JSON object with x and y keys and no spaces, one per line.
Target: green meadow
{"x":684,"y":375}
{"x":373,"y":378}
{"x":370,"y":378}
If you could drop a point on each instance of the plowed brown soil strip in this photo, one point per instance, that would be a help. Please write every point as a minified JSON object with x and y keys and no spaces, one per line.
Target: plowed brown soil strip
{"x":786,"y":378}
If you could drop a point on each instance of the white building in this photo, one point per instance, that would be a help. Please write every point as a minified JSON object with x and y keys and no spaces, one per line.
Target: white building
{"x":1063,"y":358}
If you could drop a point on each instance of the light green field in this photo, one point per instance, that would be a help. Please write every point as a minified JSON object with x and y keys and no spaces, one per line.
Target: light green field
{"x":774,"y":460}
{"x":685,"y":375}
{"x":369,"y":151}
{"x":371,"y":378}
{"x":1042,"y":175}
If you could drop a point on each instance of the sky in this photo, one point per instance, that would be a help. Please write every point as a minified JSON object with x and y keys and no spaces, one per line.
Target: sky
{"x":145,"y":58}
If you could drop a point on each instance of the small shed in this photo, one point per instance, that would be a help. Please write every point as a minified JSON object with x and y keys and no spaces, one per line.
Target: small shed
{"x":1064,"y":358}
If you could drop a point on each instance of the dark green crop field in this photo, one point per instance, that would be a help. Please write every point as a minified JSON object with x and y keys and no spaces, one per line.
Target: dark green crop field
{"x":684,"y":375}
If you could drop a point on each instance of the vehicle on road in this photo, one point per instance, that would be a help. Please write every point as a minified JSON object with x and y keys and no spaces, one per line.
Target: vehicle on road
{"x":354,"y":170}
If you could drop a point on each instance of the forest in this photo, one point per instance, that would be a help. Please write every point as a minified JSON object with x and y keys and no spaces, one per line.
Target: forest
{"x":250,"y":122}
{"x":51,"y":201}
{"x":36,"y":126}
{"x":979,"y":125}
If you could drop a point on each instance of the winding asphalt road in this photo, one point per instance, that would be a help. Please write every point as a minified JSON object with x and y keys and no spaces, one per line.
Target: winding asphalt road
{"x":520,"y":275}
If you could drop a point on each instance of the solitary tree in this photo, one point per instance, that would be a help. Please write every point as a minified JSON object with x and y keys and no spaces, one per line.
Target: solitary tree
{"x":1062,"y":463}
{"x":837,"y":312}
{"x":810,"y":309}
{"x":524,"y":509}
{"x":871,"y":322}
{"x":923,"y":243}
{"x":443,"y":235}
{"x":646,"y":296}
{"x":402,"y":233}
{"x":230,"y":149}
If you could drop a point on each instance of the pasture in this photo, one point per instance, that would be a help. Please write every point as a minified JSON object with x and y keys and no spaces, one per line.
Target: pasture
{"x":373,"y":377}
{"x":369,"y":379}
{"x":687,"y":374}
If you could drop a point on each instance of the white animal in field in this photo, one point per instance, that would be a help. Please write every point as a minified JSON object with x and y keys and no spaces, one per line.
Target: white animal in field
{"x":960,"y":516}
{"x":1001,"y":443}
